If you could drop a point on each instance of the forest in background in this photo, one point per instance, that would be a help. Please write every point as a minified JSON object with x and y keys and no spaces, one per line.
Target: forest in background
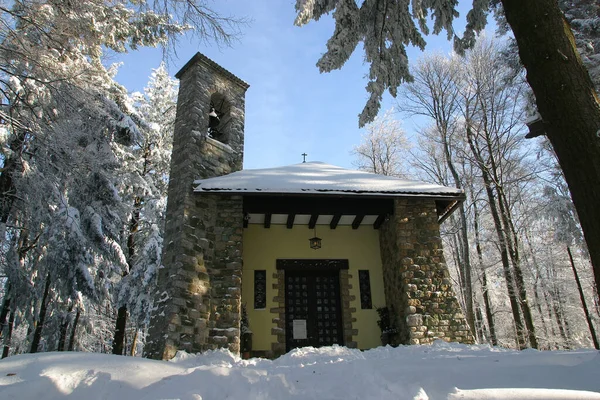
{"x":85,"y":170}
{"x":515,"y":244}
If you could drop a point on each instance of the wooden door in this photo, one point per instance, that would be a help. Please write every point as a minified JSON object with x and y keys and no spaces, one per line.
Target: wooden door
{"x":313,"y":309}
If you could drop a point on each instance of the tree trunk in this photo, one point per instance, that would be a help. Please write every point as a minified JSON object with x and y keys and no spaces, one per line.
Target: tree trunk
{"x":566,"y":324}
{"x":119,"y":338}
{"x":5,"y":309}
{"x":74,"y":330}
{"x":568,"y":104}
{"x":464,"y":231}
{"x":549,"y":303}
{"x":457,"y":256}
{"x":63,"y":335}
{"x":556,"y":301}
{"x":121,"y":324}
{"x":511,"y":239}
{"x":11,"y":323}
{"x":7,"y":186}
{"x":583,"y":303}
{"x":62,"y":341}
{"x":134,"y":343}
{"x":37,"y":334}
{"x":480,"y":325}
{"x":508,"y":276}
{"x":464,"y":236}
{"x":538,"y":305}
{"x":538,"y":281}
{"x":510,"y":285}
{"x":484,"y":286}
{"x":488,"y":310}
{"x":561,"y":326}
{"x":513,"y":251}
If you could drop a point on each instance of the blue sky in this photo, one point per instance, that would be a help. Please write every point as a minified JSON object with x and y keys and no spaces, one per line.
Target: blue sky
{"x":290,"y":107}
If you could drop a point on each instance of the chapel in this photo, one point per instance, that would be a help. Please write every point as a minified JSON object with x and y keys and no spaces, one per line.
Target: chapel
{"x":309,"y":254}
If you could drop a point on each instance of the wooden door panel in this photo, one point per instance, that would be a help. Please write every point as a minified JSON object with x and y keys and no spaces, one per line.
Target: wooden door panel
{"x":296,"y":308}
{"x":314,"y":297}
{"x":327,"y":310}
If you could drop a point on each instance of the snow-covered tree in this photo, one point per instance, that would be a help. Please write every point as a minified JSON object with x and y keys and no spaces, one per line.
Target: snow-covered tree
{"x":145,"y":185}
{"x":67,"y":129}
{"x":48,"y":46}
{"x":383,"y":149}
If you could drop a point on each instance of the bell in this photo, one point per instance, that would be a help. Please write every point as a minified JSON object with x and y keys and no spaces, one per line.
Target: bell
{"x":213,"y":118}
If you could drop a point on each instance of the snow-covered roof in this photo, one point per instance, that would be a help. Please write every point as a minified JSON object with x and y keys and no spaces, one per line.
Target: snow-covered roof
{"x":319,"y":178}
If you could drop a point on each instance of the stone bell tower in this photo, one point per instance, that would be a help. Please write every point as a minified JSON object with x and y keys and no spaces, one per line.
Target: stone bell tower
{"x":197,"y":304}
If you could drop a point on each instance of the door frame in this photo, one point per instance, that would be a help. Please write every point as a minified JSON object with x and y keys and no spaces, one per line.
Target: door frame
{"x":313,"y":267}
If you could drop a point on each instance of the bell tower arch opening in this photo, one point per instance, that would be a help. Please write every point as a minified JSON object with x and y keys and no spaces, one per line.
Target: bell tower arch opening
{"x":219,"y":118}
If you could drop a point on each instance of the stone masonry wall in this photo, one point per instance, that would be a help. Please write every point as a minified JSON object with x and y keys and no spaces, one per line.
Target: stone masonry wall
{"x":224,"y":267}
{"x":198,"y":296}
{"x":418,"y":290}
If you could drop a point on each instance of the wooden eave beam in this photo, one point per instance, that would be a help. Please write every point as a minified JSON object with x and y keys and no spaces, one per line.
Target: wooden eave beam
{"x":379,"y":221}
{"x":267,"y":221}
{"x":246,"y":219}
{"x":290,"y":221}
{"x":357,"y":220}
{"x":335,"y":221}
{"x":448,"y":210}
{"x":313,"y":221}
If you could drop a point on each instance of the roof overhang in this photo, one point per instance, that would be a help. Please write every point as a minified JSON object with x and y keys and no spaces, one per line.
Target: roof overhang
{"x":317,"y":189}
{"x":334,"y":210}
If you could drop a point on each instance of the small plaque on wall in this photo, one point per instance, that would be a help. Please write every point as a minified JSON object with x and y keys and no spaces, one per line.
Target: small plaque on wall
{"x":299,"y":329}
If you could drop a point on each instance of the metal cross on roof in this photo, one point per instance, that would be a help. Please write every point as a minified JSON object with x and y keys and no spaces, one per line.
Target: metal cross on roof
{"x":304,"y":157}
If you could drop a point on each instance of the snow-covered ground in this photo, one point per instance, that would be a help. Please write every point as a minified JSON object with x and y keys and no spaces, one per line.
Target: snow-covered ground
{"x":440,"y":371}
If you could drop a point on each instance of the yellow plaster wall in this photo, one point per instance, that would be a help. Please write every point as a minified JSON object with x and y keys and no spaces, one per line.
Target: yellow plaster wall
{"x":262,"y":247}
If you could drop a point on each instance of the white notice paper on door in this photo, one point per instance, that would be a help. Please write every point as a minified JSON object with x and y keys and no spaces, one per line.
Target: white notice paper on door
{"x":299,"y":329}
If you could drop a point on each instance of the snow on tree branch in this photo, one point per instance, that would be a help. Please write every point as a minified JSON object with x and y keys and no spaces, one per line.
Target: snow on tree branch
{"x":386,"y":27}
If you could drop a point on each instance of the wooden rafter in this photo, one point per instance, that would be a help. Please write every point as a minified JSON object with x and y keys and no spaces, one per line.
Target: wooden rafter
{"x":290,"y":221}
{"x":335,"y":221}
{"x":357,"y":220}
{"x":380,"y":219}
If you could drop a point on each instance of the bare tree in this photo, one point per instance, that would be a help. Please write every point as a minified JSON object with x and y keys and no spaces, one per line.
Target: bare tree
{"x":583,"y":303}
{"x":383,"y":149}
{"x":493,"y":110}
